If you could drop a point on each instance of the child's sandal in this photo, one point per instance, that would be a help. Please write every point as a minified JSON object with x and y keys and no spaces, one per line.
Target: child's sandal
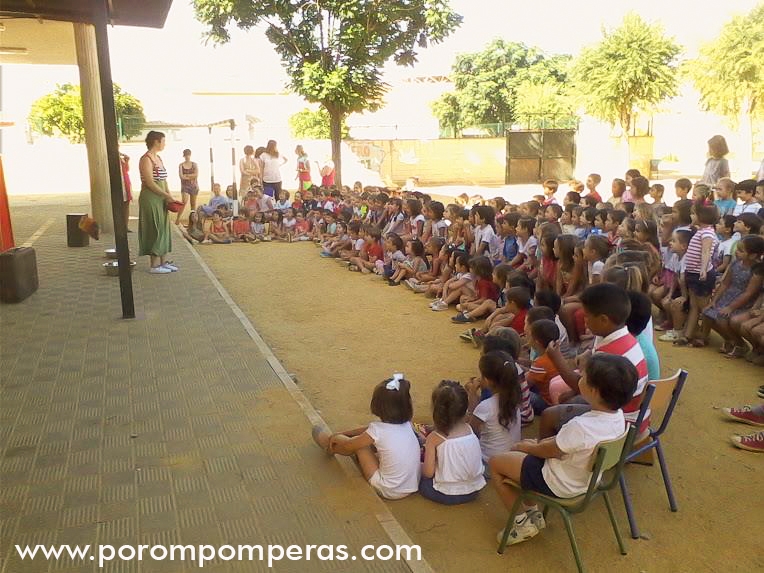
{"x":681,"y":341}
{"x":699,"y":343}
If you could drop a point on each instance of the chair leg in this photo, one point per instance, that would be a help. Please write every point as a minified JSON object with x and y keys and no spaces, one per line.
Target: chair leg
{"x":509,"y":525}
{"x":629,"y":507}
{"x":572,"y":537}
{"x":666,"y":477}
{"x":614,"y":523}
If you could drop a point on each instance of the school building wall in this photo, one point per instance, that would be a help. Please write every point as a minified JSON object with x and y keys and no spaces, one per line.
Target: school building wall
{"x":437,"y":161}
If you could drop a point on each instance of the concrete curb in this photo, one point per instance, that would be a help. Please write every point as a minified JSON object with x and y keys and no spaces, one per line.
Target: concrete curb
{"x":392,"y":527}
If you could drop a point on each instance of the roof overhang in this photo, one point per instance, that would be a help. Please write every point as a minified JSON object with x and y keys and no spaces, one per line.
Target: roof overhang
{"x":144,"y":13}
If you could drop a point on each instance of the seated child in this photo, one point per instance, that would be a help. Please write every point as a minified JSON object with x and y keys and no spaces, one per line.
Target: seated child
{"x":508,"y":340}
{"x":452,"y":472}
{"x":512,"y":314}
{"x":366,"y":261}
{"x":738,"y":291}
{"x":415,"y":263}
{"x":301,"y":228}
{"x":484,"y":288}
{"x":456,"y":286}
{"x":393,"y":256}
{"x":539,"y":334}
{"x":560,"y":466}
{"x":356,"y":245}
{"x":218,"y":231}
{"x":276,"y":231}
{"x":638,"y":323}
{"x":257,"y":228}
{"x":606,"y":309}
{"x":422,"y":279}
{"x":217,"y":200}
{"x":387,"y":451}
{"x":193,"y":230}
{"x":496,"y":420}
{"x":288,"y":224}
{"x":333,"y":246}
{"x":489,"y":296}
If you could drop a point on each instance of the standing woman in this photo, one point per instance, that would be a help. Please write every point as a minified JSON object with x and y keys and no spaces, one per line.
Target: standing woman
{"x":189,"y":182}
{"x":127,"y":188}
{"x":249,"y":167}
{"x":303,"y":169}
{"x":327,"y":173}
{"x":716,"y":164}
{"x":272,"y":163}
{"x":154,"y":237}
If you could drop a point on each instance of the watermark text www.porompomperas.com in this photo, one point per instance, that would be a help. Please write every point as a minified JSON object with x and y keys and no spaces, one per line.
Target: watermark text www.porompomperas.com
{"x":201,"y":554}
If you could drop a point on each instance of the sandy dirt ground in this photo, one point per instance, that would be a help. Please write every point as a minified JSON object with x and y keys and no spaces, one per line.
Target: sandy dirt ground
{"x":341,"y":333}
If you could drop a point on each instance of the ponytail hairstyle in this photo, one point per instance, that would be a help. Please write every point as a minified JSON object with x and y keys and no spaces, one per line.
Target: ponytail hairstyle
{"x":391,"y":400}
{"x":629,"y":276}
{"x":499,"y":368}
{"x":650,"y":230}
{"x":449,"y":405}
{"x":566,"y":244}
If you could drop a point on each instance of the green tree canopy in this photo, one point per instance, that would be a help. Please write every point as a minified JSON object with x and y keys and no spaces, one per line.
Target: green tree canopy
{"x":313,"y":124}
{"x":489,"y":85}
{"x":334,"y":50}
{"x":633,"y":68}
{"x":729,"y":73}
{"x":60,"y":113}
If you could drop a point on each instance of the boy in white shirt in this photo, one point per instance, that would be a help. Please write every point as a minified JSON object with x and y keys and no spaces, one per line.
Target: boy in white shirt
{"x":559,"y":466}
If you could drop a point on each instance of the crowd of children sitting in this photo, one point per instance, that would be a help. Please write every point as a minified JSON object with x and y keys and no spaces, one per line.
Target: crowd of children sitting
{"x":566,"y":295}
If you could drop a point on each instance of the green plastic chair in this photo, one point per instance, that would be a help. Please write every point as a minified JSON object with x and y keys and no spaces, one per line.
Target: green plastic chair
{"x":607,"y":464}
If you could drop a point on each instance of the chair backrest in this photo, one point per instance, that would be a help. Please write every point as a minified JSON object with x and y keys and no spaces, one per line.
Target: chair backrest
{"x":610,"y":455}
{"x":644,"y":406}
{"x":665,"y":397}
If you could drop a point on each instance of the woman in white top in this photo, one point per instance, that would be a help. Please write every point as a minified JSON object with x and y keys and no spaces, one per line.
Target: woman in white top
{"x":496,"y":419}
{"x":392,"y":465}
{"x":272,"y":162}
{"x":452,"y":472}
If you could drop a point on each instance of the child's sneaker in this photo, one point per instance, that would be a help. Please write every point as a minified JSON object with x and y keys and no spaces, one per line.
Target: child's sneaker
{"x":751,"y":442}
{"x":760,"y":392}
{"x":663,"y":326}
{"x":670,"y":336}
{"x":521,"y":531}
{"x":537,"y":518}
{"x":419,"y":288}
{"x":353,"y":268}
{"x":746,"y":414}
{"x":478,"y":336}
{"x":325,"y":255}
{"x":462,"y":318}
{"x":409,"y":283}
{"x":439,"y":305}
{"x":467,"y":335}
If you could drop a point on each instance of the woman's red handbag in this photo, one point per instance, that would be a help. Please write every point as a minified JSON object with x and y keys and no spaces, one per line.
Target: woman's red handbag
{"x":175,"y":206}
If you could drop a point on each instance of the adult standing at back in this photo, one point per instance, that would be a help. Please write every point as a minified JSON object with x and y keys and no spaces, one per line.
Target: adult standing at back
{"x":303,"y":169}
{"x":717,"y":165}
{"x":188,"y":171}
{"x":249,"y":167}
{"x":327,"y":173}
{"x":154,"y":237}
{"x":272,"y":163}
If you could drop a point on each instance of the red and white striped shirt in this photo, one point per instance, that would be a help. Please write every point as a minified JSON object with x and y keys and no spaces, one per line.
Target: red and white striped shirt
{"x":692,"y":258}
{"x":624,"y":344}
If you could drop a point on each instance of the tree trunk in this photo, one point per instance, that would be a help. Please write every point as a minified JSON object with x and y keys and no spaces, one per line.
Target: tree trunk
{"x":335,"y":126}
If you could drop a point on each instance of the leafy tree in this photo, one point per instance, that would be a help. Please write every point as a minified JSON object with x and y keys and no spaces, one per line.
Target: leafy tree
{"x":488,"y":83}
{"x":729,"y":73}
{"x":633,"y":68}
{"x":545,"y":105}
{"x":60,"y":113}
{"x":334,"y":50}
{"x":313,"y":124}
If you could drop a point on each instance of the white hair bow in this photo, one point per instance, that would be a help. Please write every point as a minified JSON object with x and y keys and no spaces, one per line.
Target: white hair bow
{"x":395,"y":383}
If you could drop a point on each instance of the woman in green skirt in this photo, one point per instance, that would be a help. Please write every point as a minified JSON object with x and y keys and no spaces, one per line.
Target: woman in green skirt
{"x":154,"y":237}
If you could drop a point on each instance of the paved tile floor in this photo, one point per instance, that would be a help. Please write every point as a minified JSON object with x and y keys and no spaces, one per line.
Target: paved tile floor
{"x":168,"y":429}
